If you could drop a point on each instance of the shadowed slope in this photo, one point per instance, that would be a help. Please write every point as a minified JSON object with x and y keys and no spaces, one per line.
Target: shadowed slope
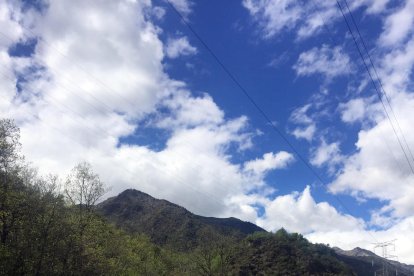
{"x":167,"y":223}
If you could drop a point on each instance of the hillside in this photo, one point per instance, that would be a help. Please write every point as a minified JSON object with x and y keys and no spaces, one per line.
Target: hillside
{"x":168,"y":224}
{"x":251,"y":249}
{"x":365,"y":262}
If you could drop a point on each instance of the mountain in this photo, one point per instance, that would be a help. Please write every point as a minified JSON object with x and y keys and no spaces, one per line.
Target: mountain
{"x":356,"y":252}
{"x":365,"y":262}
{"x":168,"y":224}
{"x":251,"y":249}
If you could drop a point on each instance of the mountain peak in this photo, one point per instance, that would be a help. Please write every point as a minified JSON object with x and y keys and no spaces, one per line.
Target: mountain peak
{"x":167,"y":223}
{"x":356,"y":252}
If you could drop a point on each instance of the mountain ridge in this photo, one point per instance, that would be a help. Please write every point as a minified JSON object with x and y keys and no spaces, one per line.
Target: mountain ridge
{"x":171,"y":225}
{"x":167,"y":223}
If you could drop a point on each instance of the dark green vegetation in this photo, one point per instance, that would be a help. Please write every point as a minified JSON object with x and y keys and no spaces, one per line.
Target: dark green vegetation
{"x":168,"y":224}
{"x":54,"y":227}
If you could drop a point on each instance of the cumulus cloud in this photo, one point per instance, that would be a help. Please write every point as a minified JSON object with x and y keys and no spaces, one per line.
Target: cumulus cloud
{"x":351,"y":238}
{"x":322,"y":223}
{"x":98,"y":78}
{"x":327,"y":154}
{"x":330,"y":62}
{"x":376,"y":168}
{"x":304,"y":215}
{"x":188,"y":111}
{"x":270,"y":161}
{"x":179,"y":47}
{"x":379,"y":168}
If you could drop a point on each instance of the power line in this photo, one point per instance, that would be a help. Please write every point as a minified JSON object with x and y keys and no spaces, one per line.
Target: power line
{"x":326,"y":27}
{"x":246,"y":93}
{"x":376,"y":88}
{"x":379,"y":80}
{"x":253,"y":102}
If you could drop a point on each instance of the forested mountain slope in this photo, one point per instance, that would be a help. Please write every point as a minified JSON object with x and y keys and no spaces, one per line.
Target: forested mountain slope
{"x":167,"y":223}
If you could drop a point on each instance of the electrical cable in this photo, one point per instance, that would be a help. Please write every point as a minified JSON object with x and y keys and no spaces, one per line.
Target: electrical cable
{"x":376,"y":88}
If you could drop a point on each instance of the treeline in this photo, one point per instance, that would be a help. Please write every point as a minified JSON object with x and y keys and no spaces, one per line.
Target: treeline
{"x":48,"y":226}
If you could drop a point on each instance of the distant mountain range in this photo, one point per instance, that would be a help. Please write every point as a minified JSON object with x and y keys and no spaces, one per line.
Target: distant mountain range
{"x":171,"y":225}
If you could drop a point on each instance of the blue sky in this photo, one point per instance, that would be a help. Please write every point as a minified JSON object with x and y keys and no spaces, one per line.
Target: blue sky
{"x":264,"y":67}
{"x":127,"y":87}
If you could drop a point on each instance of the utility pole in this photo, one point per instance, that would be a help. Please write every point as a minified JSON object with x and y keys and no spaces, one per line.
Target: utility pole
{"x":385,"y":270}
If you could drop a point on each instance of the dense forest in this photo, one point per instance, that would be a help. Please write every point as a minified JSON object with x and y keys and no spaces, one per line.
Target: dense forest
{"x":52,"y":226}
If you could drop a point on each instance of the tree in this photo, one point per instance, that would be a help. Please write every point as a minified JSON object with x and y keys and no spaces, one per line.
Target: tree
{"x":9,"y":160}
{"x":83,"y":186}
{"x":9,"y":144}
{"x":83,"y":189}
{"x":213,"y":255}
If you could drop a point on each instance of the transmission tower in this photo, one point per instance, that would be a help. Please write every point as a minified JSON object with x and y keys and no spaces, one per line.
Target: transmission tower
{"x":386,"y":248}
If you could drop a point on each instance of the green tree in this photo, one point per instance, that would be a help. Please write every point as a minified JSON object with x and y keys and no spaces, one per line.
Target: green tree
{"x":10,"y":159}
{"x":83,"y":189}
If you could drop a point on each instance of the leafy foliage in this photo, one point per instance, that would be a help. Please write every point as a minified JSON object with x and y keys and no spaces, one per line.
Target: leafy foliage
{"x":282,"y":253}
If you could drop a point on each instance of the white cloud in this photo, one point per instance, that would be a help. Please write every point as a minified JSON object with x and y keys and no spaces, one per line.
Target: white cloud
{"x":396,"y":67}
{"x":379,"y":169}
{"x":306,"y":125}
{"x":298,"y":212}
{"x":362,"y":110}
{"x":399,"y":25}
{"x":307,"y":132}
{"x":190,"y":111}
{"x":12,"y":33}
{"x":353,"y":110}
{"x":109,"y":51}
{"x":374,"y":6}
{"x":274,"y":16}
{"x":270,"y":161}
{"x":330,"y":62}
{"x":322,"y":223}
{"x":158,"y":12}
{"x":179,"y":47}
{"x":11,"y":30}
{"x":300,"y":115}
{"x":327,"y":154}
{"x":305,"y":18}
{"x":101,"y":79}
{"x":351,"y":238}
{"x":183,"y":6}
